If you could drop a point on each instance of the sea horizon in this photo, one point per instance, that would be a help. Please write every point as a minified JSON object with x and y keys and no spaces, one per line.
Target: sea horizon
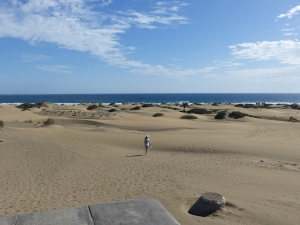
{"x":155,"y":98}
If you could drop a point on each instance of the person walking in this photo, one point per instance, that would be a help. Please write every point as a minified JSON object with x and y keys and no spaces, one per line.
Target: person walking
{"x":147,"y":144}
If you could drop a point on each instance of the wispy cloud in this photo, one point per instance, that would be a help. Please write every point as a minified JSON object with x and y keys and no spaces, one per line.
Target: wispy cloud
{"x":290,"y":13}
{"x":107,"y":2}
{"x":34,"y":58}
{"x":226,"y":64}
{"x":285,"y":51}
{"x":56,"y":69}
{"x":173,"y":73}
{"x":79,"y":25}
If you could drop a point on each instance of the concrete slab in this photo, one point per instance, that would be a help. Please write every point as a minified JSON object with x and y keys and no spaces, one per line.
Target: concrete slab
{"x":69,"y":216}
{"x":147,"y":211}
{"x":9,"y":220}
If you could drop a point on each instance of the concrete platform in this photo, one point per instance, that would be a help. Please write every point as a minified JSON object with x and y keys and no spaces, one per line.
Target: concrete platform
{"x":147,"y":211}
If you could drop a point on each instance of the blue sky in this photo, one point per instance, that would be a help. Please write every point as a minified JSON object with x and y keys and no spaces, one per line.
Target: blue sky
{"x":139,"y":46}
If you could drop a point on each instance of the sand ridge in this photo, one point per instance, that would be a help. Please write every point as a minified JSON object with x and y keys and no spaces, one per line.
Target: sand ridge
{"x":93,"y":157}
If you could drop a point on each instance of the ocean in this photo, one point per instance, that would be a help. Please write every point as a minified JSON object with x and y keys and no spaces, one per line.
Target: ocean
{"x":202,"y":98}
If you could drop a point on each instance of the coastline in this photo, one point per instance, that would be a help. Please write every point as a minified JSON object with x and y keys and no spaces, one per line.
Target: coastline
{"x":171,"y":98}
{"x":96,"y":156}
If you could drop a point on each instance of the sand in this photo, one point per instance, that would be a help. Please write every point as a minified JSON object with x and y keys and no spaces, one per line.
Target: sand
{"x":93,"y":157}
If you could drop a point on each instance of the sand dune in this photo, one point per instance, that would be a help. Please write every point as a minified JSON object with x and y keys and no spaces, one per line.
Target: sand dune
{"x":92,"y":157}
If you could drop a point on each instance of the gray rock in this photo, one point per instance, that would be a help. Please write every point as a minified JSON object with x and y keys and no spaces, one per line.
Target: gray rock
{"x":207,"y":204}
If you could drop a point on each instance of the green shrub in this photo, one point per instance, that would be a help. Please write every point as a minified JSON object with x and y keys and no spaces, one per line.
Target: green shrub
{"x":91,"y":107}
{"x":292,"y":119}
{"x":25,"y":106}
{"x":1,"y":123}
{"x":111,"y":110}
{"x":237,"y":115}
{"x":188,"y":117}
{"x":49,"y":121}
{"x":158,"y":114}
{"x":184,"y":105}
{"x":295,"y":106}
{"x":220,"y":115}
{"x":199,"y":111}
{"x":147,"y":105}
{"x":136,"y":108}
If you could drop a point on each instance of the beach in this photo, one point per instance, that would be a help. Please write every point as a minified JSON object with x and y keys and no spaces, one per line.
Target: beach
{"x":97,"y":156}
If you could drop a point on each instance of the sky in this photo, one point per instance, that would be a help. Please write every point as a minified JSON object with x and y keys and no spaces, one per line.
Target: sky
{"x":149,"y":46}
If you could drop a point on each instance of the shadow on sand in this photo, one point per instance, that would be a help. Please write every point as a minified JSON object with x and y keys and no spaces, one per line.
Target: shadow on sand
{"x":133,"y":155}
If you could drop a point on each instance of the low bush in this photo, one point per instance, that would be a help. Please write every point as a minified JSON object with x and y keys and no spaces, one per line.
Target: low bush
{"x":91,"y":107}
{"x":112,"y":110}
{"x":147,"y":105}
{"x":292,"y":119}
{"x":188,"y":117}
{"x":220,"y":115}
{"x":49,"y":121}
{"x":158,"y":114}
{"x":136,"y":108}
{"x":25,"y":106}
{"x":237,"y":115}
{"x":199,"y":111}
{"x":295,"y":106}
{"x":1,"y":123}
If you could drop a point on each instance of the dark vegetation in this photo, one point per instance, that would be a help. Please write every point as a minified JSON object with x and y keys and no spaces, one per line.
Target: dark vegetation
{"x":91,"y":107}
{"x":188,"y":117}
{"x":220,"y":115}
{"x":237,"y":115}
{"x":199,"y":111}
{"x":184,"y":105}
{"x":158,"y":114}
{"x":27,"y":106}
{"x":136,"y":108}
{"x":147,"y":105}
{"x":1,"y":123}
{"x":295,"y":106}
{"x":112,"y":110}
{"x":49,"y":121}
{"x":247,"y":106}
{"x":292,"y":119}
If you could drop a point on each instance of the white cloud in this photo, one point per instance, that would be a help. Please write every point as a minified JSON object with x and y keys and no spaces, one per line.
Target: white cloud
{"x":288,"y":29}
{"x":290,"y":13}
{"x":283,"y":72}
{"x":75,"y":25}
{"x":173,"y":73}
{"x":107,"y":2}
{"x":226,"y":64}
{"x":56,"y":69}
{"x":34,"y":58}
{"x":285,"y":51}
{"x":288,"y":34}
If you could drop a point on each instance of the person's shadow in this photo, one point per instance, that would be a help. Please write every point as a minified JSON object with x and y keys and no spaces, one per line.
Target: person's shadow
{"x":133,"y":155}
